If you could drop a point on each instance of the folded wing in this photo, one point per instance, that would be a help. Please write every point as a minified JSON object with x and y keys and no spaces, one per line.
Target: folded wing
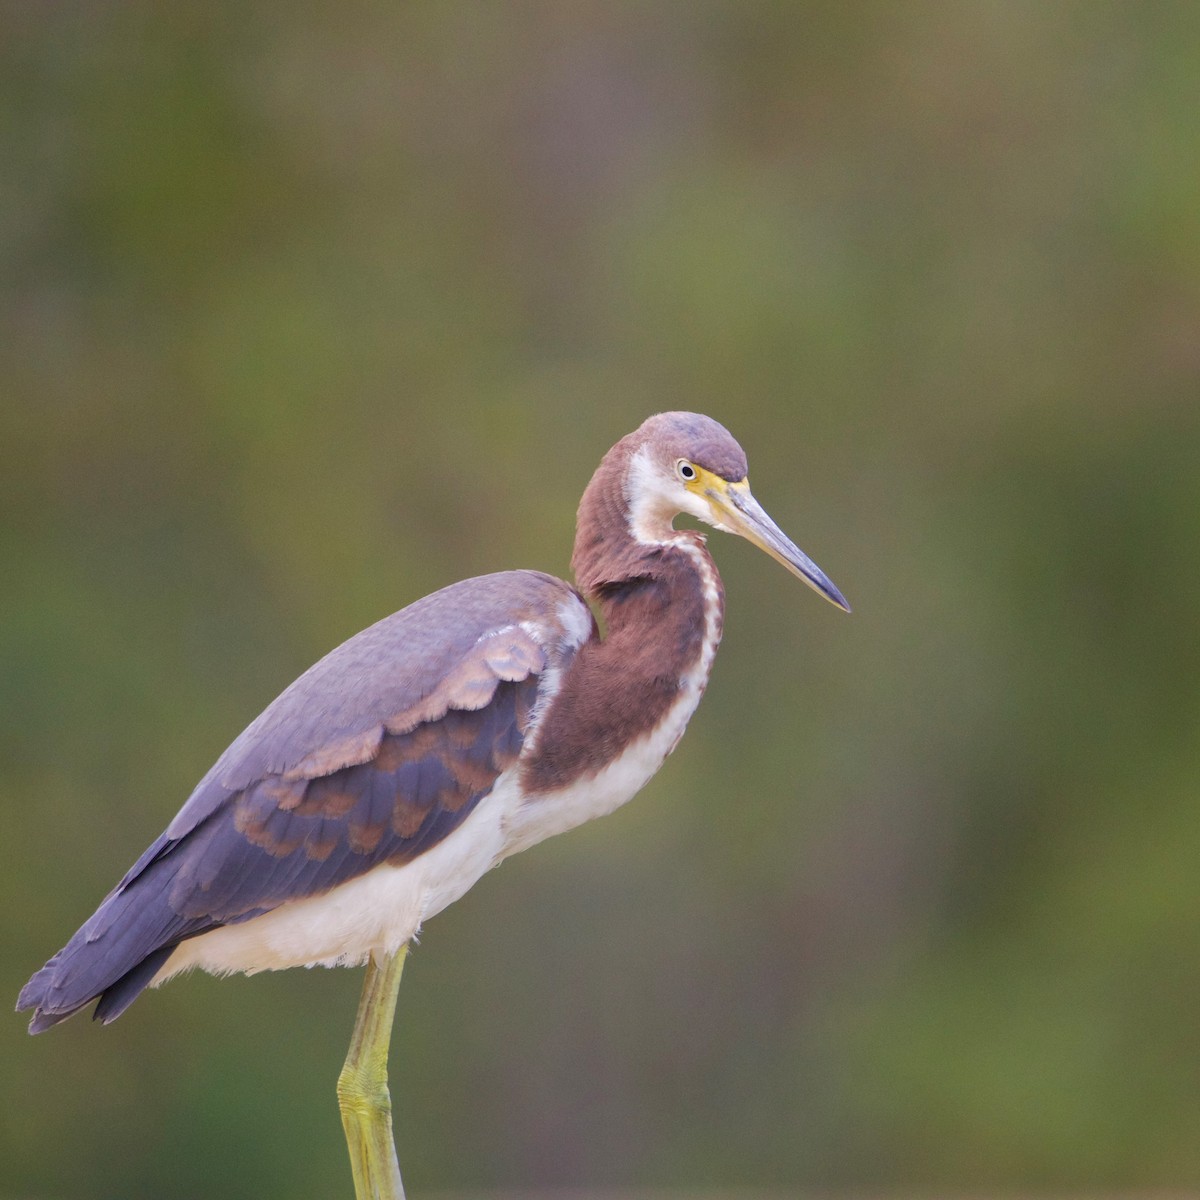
{"x":373,"y":756}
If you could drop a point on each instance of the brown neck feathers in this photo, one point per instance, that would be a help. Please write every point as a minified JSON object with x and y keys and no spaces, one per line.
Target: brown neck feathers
{"x":606,"y":551}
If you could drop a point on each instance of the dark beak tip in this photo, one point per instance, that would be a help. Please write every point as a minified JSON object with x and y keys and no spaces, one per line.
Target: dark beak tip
{"x":827,"y":588}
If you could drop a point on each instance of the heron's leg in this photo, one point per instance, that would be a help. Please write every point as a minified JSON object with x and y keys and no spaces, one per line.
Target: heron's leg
{"x":363,"y":1096}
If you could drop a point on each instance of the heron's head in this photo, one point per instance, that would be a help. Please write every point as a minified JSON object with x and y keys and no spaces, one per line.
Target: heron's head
{"x":681,"y":462}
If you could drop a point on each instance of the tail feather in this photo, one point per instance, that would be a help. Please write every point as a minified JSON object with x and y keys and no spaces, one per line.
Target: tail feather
{"x":114,"y":956}
{"x":117,"y":997}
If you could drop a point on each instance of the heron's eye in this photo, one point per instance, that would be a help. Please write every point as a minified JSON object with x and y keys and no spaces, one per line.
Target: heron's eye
{"x":685,"y":470}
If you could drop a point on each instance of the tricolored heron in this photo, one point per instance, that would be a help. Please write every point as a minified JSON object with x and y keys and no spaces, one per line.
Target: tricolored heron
{"x":425,"y":750}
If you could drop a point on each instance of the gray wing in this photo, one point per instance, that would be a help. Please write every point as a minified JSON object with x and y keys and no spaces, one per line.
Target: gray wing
{"x":373,"y":755}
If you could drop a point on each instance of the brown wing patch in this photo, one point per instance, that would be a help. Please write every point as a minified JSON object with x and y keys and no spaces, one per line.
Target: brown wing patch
{"x":469,"y":776}
{"x":345,"y":752}
{"x":363,"y":838}
{"x":261,"y":816}
{"x":325,"y":797}
{"x":320,"y":847}
{"x":396,"y":749}
{"x":435,"y":756}
{"x":280,"y":793}
{"x":294,"y":837}
{"x":507,"y":655}
{"x":407,"y":819}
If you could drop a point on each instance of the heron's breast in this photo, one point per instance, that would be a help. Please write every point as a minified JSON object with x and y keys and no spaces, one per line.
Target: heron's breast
{"x":619,"y":711}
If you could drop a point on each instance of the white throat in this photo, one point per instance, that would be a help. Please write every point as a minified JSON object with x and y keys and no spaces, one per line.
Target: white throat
{"x":654,"y":499}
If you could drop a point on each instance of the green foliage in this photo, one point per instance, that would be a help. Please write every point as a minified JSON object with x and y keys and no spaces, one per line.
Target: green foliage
{"x":304,"y":313}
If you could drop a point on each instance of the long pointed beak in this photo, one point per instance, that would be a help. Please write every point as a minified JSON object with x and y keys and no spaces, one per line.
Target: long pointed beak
{"x":740,"y":513}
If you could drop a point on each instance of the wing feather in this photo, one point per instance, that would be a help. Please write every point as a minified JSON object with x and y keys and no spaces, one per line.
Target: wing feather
{"x":373,"y":756}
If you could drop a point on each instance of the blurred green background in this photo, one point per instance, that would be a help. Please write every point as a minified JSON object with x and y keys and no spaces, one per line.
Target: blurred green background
{"x":306,"y":310}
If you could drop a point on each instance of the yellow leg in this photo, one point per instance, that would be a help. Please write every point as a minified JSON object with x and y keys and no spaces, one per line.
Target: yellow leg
{"x":363,"y":1096}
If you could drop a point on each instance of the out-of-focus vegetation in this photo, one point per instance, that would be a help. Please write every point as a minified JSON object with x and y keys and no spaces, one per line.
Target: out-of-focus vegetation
{"x":306,"y":310}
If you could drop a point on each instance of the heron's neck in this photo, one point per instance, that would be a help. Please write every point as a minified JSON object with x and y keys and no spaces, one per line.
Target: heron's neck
{"x":617,"y":544}
{"x":633,"y":691}
{"x":665,"y":594}
{"x":653,"y":584}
